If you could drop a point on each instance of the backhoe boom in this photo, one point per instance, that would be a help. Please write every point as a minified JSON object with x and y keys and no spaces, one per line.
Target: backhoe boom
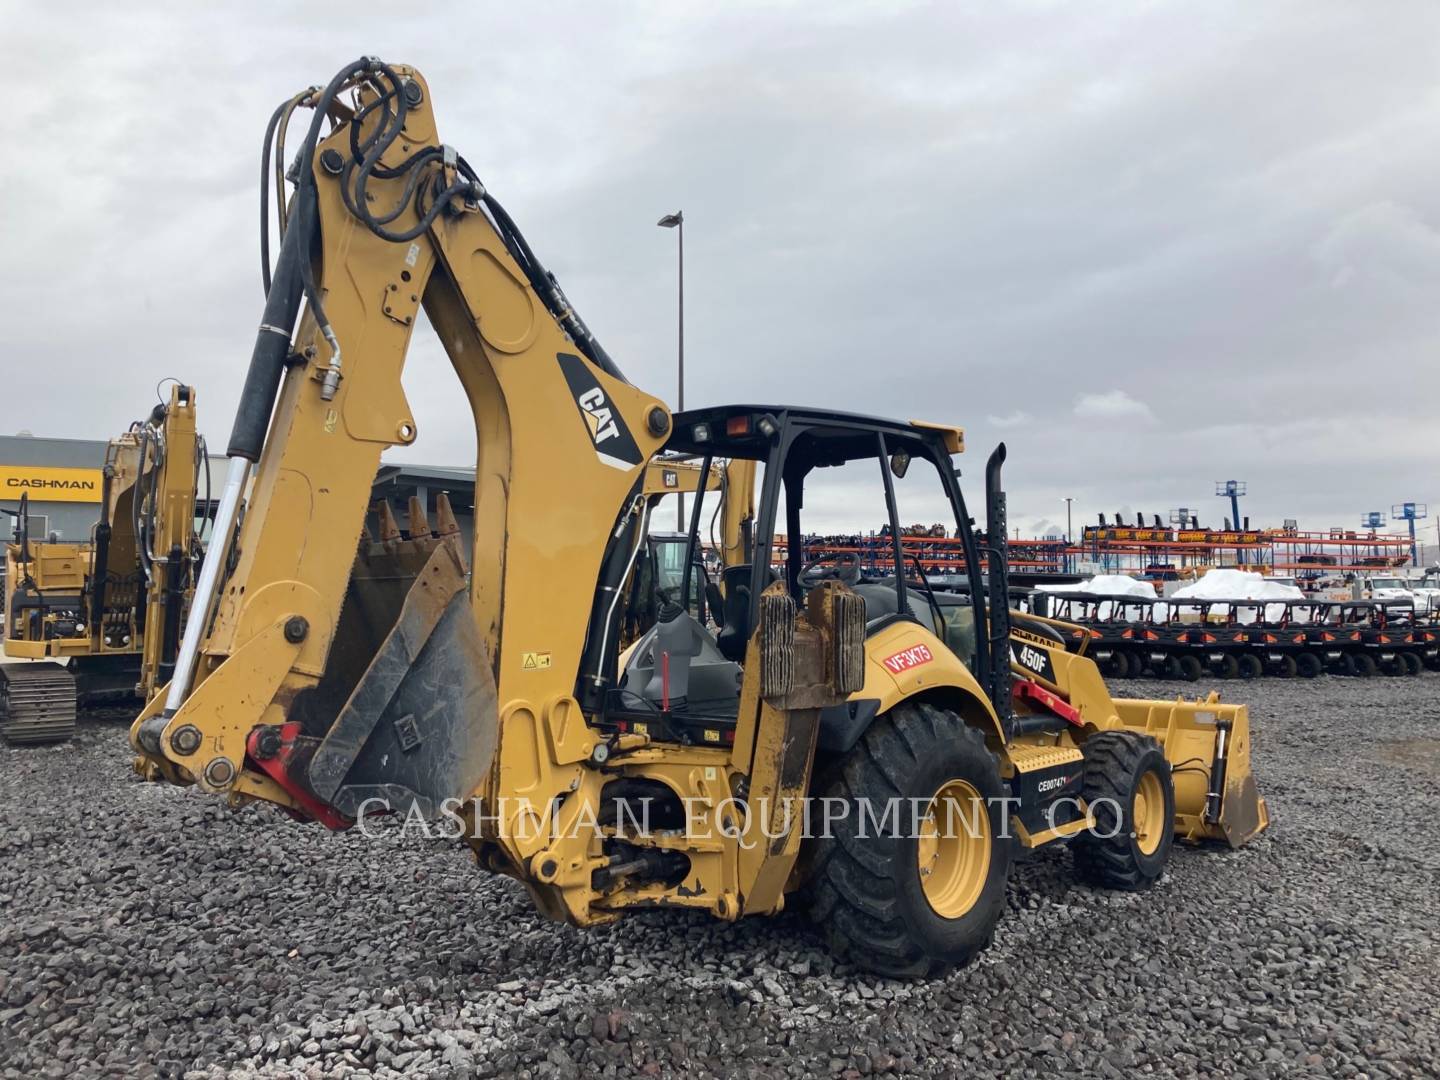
{"x":560,"y":445}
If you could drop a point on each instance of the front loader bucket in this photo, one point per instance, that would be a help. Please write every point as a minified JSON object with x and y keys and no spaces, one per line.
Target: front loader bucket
{"x":1208,"y":747}
{"x":405,"y":717}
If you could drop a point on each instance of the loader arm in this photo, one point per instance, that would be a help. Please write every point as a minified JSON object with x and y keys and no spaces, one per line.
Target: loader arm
{"x":562,"y":440}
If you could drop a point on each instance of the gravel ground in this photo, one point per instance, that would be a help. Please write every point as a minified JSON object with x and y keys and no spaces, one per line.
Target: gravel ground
{"x":150,"y":930}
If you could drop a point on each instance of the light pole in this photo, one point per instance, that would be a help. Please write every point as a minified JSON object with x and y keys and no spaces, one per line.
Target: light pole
{"x":1068,"y":500}
{"x":1411,"y":512}
{"x":1234,"y":489}
{"x":676,"y":221}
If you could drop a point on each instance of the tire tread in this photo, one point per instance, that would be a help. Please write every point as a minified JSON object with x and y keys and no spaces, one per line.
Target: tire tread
{"x":851,"y":893}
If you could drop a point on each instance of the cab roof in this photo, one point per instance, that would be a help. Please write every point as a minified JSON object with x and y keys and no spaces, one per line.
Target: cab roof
{"x":709,"y":430}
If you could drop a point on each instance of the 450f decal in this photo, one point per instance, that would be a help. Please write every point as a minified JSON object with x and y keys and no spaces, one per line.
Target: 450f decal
{"x":1033,"y":659}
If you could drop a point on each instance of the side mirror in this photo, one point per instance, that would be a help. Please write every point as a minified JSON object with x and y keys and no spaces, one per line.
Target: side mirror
{"x":899,"y":464}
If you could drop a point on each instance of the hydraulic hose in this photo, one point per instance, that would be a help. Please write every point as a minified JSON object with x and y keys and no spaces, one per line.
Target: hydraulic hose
{"x":265,"y":196}
{"x":202,"y":468}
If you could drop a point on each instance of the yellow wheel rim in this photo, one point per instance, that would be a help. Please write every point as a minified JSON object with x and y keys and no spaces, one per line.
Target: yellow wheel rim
{"x":1148,"y":813}
{"x":953,"y":853}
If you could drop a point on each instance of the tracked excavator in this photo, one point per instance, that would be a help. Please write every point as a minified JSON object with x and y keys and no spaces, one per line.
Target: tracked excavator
{"x":102,"y":617}
{"x":917,"y":738}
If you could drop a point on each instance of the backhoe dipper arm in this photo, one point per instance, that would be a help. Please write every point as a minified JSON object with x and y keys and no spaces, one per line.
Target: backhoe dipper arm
{"x":386,"y":220}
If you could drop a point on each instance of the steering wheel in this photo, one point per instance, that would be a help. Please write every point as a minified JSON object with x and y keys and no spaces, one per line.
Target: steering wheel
{"x":841,"y":566}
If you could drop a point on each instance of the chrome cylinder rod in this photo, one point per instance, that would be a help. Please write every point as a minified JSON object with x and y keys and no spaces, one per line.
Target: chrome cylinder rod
{"x":208,"y":585}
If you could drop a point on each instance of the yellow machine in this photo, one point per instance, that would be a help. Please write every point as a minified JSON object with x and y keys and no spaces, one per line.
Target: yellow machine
{"x":849,"y":738}
{"x":106,"y":613}
{"x":734,"y":515}
{"x":669,"y":568}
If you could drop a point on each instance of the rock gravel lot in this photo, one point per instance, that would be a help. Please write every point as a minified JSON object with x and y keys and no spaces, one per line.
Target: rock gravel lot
{"x":150,"y":931}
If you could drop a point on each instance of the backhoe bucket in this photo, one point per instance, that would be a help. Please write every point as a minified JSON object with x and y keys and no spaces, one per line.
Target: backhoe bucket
{"x":405,"y":718}
{"x":1208,"y":747}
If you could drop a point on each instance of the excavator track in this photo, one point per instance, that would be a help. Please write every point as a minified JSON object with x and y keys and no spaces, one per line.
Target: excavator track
{"x":37,"y":704}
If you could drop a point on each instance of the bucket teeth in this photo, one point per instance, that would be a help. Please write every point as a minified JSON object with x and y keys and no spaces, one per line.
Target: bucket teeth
{"x":419,"y":523}
{"x":445,"y":524}
{"x":389,"y":530}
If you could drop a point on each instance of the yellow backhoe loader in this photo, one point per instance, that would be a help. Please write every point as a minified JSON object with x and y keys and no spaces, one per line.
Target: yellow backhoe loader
{"x":105,"y":614}
{"x":848,"y":738}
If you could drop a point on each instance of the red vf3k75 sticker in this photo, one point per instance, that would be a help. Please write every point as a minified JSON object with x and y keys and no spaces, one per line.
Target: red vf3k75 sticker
{"x":909,"y":658}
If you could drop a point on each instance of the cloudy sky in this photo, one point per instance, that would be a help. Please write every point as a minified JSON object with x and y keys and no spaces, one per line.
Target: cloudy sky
{"x":1149,"y":245}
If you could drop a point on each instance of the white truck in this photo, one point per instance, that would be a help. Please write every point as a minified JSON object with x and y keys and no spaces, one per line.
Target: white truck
{"x":1427,"y":592}
{"x":1394,"y":587}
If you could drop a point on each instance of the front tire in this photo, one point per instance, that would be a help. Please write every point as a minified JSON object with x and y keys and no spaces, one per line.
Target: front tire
{"x":913,"y":899}
{"x":1129,"y":788}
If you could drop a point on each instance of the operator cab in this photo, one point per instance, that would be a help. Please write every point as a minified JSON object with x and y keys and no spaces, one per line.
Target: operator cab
{"x":829,"y":507}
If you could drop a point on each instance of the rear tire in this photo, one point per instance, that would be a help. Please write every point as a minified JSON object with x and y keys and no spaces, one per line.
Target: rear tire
{"x":1308,"y":665}
{"x":1227,"y":667}
{"x":1190,"y":669}
{"x":1128,"y":786}
{"x":1413,"y":664}
{"x":1286,"y":667}
{"x":1136,"y":663}
{"x":1365,"y":665}
{"x":869,"y":895}
{"x":1251,"y":667}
